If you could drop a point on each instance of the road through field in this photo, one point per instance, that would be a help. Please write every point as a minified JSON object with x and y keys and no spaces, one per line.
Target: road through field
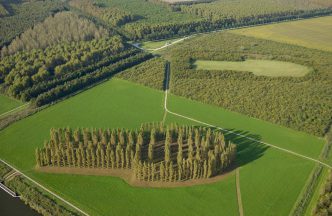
{"x":167,"y":80}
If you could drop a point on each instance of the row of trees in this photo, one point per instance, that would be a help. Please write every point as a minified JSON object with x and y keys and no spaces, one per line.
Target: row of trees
{"x":153,"y":153}
{"x":98,"y":75}
{"x":62,"y":27}
{"x":46,"y":85}
{"x":24,"y":70}
{"x":324,"y":205}
{"x":111,"y":15}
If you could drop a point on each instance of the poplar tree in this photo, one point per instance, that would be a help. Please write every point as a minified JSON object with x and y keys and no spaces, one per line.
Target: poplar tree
{"x":151,"y":144}
{"x":162,"y":171}
{"x":38,"y":158}
{"x":112,"y":159}
{"x":167,"y":148}
{"x":180,"y":146}
{"x":79,"y":159}
{"x":102,"y":155}
{"x":108,"y":155}
{"x":195,"y":169}
{"x":171,"y":172}
{"x":205,"y":168}
{"x":123,"y":159}
{"x":118,"y":155}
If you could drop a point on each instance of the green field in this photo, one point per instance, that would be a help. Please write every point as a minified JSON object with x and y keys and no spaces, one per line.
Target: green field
{"x":269,"y":178}
{"x":312,"y":33}
{"x":7,"y":104}
{"x":257,"y":67}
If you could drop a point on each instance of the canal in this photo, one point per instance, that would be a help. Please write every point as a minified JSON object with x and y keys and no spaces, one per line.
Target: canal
{"x":10,"y":206}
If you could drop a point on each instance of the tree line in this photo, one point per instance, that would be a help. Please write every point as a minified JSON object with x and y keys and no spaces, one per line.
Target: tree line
{"x":153,"y":31}
{"x":24,"y":70}
{"x":324,"y":205}
{"x":153,"y":153}
{"x":98,"y":75}
{"x":111,"y":15}
{"x":62,"y":27}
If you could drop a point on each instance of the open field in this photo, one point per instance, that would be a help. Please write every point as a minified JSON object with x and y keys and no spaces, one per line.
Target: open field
{"x":312,"y":33}
{"x":7,"y":104}
{"x":119,"y":103}
{"x":257,"y":67}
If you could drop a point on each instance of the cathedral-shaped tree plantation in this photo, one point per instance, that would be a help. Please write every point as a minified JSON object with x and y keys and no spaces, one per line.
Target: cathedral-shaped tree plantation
{"x":152,"y":153}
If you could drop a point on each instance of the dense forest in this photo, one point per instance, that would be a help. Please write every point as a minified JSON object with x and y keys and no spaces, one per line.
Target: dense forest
{"x":153,"y":153}
{"x":244,"y":10}
{"x":222,"y":14}
{"x":59,"y":70}
{"x":110,"y":15}
{"x":150,"y":73}
{"x":62,"y":27}
{"x":302,"y":103}
{"x":25,"y":15}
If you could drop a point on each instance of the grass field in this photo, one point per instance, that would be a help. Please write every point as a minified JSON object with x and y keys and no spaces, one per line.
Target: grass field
{"x":312,"y":33}
{"x":257,"y":67}
{"x":269,"y":178}
{"x":7,"y":104}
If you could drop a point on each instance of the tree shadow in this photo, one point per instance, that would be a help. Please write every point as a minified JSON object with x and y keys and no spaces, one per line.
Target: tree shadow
{"x":249,"y":148}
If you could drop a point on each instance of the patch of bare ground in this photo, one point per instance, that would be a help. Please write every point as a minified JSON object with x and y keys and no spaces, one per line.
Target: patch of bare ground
{"x":128,"y":177}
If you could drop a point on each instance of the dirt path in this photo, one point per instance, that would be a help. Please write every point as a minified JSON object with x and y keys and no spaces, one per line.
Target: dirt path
{"x":238,"y":192}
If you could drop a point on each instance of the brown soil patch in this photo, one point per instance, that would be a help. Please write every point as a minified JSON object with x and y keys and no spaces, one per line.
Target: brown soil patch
{"x":128,"y":177}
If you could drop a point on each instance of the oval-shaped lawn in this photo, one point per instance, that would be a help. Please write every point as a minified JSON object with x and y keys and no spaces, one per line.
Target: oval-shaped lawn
{"x":257,"y":67}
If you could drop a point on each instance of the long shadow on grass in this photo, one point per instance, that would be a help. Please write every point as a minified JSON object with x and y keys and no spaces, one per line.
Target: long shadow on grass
{"x":247,"y":150}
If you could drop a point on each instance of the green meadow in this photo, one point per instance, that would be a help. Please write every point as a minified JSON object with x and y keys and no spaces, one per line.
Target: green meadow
{"x":269,"y":178}
{"x":257,"y":67}
{"x":7,"y":104}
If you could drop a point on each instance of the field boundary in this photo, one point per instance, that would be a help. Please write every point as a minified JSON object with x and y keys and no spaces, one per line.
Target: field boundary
{"x":46,"y":189}
{"x":238,"y":192}
{"x":13,"y":110}
{"x":229,"y":131}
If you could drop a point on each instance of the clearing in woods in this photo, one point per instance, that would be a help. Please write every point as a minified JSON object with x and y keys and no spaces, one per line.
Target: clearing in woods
{"x":312,"y":33}
{"x":257,"y":67}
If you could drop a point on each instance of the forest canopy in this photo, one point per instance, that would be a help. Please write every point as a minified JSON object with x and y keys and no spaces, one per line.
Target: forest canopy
{"x":21,"y":17}
{"x":62,"y":27}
